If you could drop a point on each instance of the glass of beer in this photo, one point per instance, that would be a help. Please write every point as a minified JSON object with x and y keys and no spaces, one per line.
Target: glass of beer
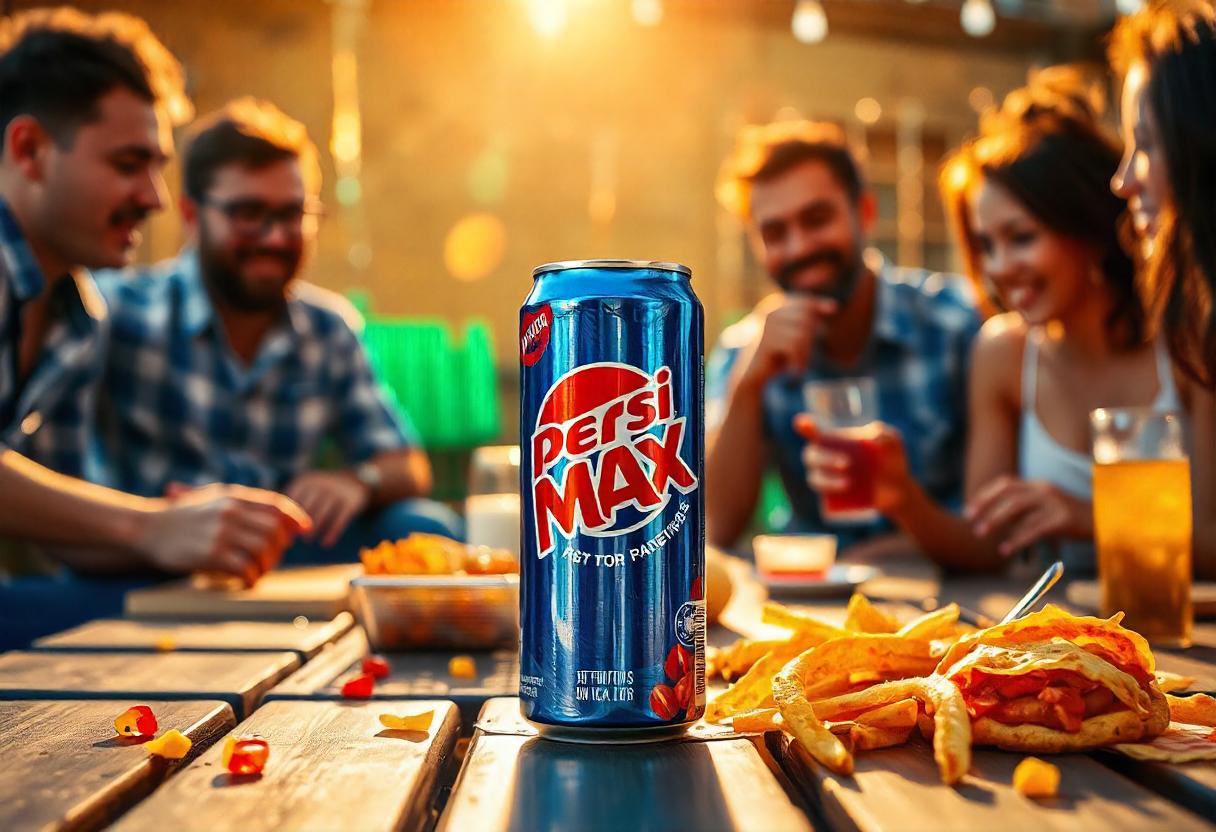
{"x":846,"y":413}
{"x":1142,"y":521}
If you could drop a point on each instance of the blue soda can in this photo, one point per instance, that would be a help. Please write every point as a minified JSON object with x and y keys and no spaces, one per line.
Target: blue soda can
{"x":612,"y":557}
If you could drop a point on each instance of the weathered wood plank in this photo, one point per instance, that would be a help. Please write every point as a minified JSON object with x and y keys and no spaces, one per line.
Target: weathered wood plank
{"x":63,"y":768}
{"x":239,"y":679}
{"x":512,"y":782}
{"x":421,"y":675}
{"x":899,"y":789}
{"x":331,"y":766}
{"x":128,"y":636}
{"x":316,"y":592}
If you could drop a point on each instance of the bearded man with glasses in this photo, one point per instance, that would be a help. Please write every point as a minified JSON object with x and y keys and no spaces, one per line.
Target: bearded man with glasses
{"x":225,"y":367}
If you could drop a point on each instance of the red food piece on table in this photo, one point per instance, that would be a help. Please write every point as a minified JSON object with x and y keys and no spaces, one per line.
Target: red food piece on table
{"x":359,"y":687}
{"x":376,"y":667}
{"x":246,"y":755}
{"x":136,"y":721}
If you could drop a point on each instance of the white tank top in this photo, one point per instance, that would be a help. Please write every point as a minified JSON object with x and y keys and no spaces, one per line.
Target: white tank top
{"x":1041,"y":457}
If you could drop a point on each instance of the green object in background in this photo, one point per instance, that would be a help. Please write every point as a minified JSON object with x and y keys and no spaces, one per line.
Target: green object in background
{"x":446,"y":385}
{"x":773,"y":510}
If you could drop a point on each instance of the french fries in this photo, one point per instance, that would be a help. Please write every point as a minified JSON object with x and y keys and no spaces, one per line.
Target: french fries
{"x":952,"y":724}
{"x":782,"y":680}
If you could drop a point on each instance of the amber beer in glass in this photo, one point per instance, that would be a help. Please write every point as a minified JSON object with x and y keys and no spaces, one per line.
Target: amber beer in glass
{"x":846,"y":413}
{"x":1142,"y":521}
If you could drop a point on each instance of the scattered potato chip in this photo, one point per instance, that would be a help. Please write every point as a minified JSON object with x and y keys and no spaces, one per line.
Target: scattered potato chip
{"x":1196,"y":709}
{"x":1171,"y":682}
{"x":408,"y":722}
{"x":932,"y":625}
{"x":782,"y":616}
{"x":172,"y":745}
{"x":462,"y":667}
{"x":166,"y":644}
{"x":1036,"y":778}
{"x":755,"y":688}
{"x":864,"y":617}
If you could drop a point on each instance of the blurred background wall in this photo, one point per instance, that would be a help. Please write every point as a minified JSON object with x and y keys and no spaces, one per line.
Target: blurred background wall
{"x":466,"y":141}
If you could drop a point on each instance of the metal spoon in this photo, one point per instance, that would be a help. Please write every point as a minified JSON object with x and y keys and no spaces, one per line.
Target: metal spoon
{"x":1036,"y":592}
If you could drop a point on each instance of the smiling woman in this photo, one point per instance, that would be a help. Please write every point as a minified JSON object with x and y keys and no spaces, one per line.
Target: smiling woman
{"x":1040,"y":230}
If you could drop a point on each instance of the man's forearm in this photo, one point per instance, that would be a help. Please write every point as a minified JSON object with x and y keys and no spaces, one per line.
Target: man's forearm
{"x":403,"y":474}
{"x":734,"y":465}
{"x":48,"y":508}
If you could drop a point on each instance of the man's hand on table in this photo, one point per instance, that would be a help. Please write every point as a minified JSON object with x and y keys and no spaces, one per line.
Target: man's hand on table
{"x":332,"y":499}
{"x":221,"y":528}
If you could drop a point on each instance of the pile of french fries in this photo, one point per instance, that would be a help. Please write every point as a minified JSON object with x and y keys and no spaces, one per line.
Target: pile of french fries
{"x":864,"y":685}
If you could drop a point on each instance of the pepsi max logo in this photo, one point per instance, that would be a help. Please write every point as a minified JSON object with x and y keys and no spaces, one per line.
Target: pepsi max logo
{"x":534,"y":335}
{"x":605,"y":453}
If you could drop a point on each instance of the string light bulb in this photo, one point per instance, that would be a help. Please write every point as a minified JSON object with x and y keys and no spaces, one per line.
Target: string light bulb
{"x":978,"y":18}
{"x":810,"y":22}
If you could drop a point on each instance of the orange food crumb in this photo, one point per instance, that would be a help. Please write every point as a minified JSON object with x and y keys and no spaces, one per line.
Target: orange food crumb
{"x":462,"y":667}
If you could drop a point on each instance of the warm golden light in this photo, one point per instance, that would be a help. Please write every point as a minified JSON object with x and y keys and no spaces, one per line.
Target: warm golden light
{"x":648,"y":12}
{"x":475,"y":246}
{"x":548,"y":17}
{"x":868,"y":111}
{"x":810,"y":22}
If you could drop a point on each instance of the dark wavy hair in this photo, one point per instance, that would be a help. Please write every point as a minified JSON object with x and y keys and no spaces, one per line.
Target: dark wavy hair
{"x":1176,"y":41}
{"x":1046,"y":147}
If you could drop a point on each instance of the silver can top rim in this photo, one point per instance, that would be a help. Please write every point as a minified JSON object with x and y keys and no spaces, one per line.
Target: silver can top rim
{"x":659,"y":265}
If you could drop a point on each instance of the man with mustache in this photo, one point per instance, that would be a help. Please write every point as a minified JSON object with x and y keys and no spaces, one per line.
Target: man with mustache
{"x":839,"y":312}
{"x":224,"y":367}
{"x":86,"y":106}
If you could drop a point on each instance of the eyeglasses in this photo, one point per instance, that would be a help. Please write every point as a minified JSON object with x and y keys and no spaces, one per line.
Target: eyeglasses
{"x":254,"y":219}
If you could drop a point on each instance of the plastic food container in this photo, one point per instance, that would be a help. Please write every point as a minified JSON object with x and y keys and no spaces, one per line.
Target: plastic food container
{"x":403,"y":612}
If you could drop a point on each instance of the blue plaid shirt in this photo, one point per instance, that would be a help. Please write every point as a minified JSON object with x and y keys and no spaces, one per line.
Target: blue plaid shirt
{"x":177,"y":405}
{"x":47,"y":416}
{"x":918,"y":356}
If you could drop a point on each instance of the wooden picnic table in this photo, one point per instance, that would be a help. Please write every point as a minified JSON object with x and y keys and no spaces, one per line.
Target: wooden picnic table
{"x":513,"y":780}
{"x":319,"y":593}
{"x":63,"y":767}
{"x":899,"y":788}
{"x":415,"y":675}
{"x":304,"y":637}
{"x":331,"y":766}
{"x":239,"y":679}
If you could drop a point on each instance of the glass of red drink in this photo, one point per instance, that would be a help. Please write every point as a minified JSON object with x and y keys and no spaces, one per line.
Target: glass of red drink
{"x":846,"y":413}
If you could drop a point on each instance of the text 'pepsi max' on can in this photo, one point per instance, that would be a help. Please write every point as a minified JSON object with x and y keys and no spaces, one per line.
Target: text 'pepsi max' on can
{"x":612,"y":560}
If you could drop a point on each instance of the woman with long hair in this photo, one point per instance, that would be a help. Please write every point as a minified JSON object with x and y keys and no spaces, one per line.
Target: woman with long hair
{"x":1166,"y":57}
{"x":1040,"y":231}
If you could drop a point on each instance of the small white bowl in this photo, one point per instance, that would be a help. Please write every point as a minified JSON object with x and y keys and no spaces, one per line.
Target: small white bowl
{"x":805,"y":555}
